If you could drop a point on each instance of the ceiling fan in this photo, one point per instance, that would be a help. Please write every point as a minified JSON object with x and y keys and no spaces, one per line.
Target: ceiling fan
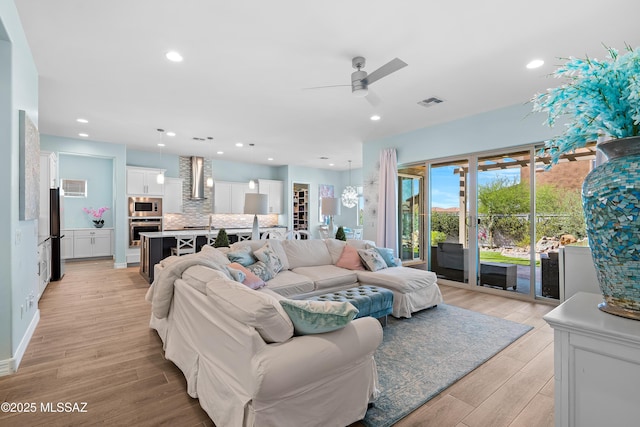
{"x":360,"y":80}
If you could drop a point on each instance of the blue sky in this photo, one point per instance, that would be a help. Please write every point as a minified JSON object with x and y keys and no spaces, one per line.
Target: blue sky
{"x":445,"y":184}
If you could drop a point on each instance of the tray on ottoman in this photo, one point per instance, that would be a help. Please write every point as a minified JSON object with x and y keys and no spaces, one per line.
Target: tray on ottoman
{"x":369,"y":300}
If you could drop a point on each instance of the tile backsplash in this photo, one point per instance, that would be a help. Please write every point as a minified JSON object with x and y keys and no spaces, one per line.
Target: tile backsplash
{"x":197,"y":212}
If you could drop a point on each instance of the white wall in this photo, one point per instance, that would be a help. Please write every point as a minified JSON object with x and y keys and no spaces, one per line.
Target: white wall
{"x":18,"y":239}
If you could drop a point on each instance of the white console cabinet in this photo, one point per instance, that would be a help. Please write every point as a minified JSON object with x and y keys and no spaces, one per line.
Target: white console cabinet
{"x":596,"y":365}
{"x":87,"y":243}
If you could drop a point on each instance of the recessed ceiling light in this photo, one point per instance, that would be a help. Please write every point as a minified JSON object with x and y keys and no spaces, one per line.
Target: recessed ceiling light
{"x":270,"y":159}
{"x":536,"y":63}
{"x":375,"y":117}
{"x":174,"y":56}
{"x":239,"y":144}
{"x":171,"y":134}
{"x":84,"y":135}
{"x":331,"y":164}
{"x":220,"y":152}
{"x":160,"y":144}
{"x":82,"y":120}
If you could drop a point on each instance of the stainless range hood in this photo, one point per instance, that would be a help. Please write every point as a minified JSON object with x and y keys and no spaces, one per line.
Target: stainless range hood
{"x":197,"y":178}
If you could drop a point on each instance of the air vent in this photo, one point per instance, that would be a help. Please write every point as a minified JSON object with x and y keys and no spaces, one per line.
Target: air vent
{"x":429,"y":102}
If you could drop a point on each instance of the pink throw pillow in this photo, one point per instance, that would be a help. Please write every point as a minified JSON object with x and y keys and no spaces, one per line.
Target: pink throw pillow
{"x":251,"y":280}
{"x":350,"y":259}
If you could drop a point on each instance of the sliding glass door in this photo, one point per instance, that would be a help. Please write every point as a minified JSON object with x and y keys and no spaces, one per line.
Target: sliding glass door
{"x":449,"y":225}
{"x":411,"y":213}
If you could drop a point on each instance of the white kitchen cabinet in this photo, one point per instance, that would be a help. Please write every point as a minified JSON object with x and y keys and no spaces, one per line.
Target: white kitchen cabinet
{"x":274,"y":190}
{"x":92,"y":243}
{"x":172,"y":202}
{"x":229,"y":197}
{"x":596,"y":364}
{"x":66,"y":244}
{"x":144,"y":181}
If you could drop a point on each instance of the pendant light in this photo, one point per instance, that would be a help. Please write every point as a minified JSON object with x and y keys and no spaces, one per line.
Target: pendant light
{"x":350,"y":194}
{"x":160,"y":176}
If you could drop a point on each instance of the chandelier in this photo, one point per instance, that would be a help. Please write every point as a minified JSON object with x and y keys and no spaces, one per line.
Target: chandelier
{"x":349,"y":194}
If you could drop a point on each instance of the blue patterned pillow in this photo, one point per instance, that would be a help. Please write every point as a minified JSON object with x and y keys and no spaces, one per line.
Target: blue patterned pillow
{"x":267,"y":255}
{"x":242,"y":256}
{"x":371,"y":259}
{"x":387,"y":256}
{"x":261,"y":270}
{"x":317,"y":317}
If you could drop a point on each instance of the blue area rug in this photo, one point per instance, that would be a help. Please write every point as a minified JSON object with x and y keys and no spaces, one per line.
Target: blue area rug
{"x":422,"y":356}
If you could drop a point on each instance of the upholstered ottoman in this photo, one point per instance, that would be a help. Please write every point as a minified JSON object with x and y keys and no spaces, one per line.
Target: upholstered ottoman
{"x":369,"y":300}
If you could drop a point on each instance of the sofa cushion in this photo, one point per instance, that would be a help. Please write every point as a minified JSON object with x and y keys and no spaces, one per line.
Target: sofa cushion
{"x":372,"y":259}
{"x":306,"y":253}
{"x":350,"y":259}
{"x":361,"y":244}
{"x":401,"y":279}
{"x":317,"y":317}
{"x":256,"y":309}
{"x":328,"y":276}
{"x":214,"y":254}
{"x":197,"y":276}
{"x":269,"y":256}
{"x":335,"y":247}
{"x":250,"y":279}
{"x":288,"y":283}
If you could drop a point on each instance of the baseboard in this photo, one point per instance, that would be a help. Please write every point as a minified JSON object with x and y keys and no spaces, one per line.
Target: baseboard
{"x":120,"y":265}
{"x":10,"y":366}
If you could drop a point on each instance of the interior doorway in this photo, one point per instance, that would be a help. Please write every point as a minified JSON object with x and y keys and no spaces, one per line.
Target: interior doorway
{"x":300,"y":207}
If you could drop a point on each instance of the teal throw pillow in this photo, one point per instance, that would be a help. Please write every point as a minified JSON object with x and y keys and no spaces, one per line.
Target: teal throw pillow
{"x":387,"y":256}
{"x":317,"y":317}
{"x":242,"y":257}
{"x":261,"y":270}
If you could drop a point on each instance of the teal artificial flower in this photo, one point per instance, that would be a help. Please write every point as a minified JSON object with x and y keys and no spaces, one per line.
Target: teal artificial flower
{"x":598,"y":98}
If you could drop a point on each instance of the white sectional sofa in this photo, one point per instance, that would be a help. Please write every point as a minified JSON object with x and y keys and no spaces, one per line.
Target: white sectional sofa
{"x":309,"y":269}
{"x":237,"y":349}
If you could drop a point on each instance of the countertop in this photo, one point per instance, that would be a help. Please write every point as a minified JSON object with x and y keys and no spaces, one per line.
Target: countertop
{"x":196,"y":232}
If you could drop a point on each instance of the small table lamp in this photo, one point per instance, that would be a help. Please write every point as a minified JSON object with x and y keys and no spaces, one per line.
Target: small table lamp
{"x":256,"y":204}
{"x":330,"y":206}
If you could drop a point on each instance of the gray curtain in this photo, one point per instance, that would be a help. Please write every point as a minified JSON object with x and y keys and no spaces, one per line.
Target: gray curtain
{"x":388,"y":201}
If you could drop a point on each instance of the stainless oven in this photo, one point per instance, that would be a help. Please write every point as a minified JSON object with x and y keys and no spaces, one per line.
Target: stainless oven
{"x":142,"y":225}
{"x":145,"y":206}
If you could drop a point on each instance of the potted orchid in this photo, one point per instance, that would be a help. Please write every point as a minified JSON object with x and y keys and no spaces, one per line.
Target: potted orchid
{"x":96,"y":215}
{"x":602,"y":99}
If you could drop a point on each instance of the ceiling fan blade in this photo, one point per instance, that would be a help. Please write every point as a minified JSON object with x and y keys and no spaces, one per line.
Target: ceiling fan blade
{"x":390,"y":67}
{"x":322,"y":87}
{"x":372,"y":98}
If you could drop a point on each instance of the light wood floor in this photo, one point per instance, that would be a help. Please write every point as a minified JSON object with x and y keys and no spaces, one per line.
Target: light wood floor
{"x":93,"y":345}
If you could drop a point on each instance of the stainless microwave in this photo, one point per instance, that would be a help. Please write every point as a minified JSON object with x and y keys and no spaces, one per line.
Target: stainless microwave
{"x":145,"y":206}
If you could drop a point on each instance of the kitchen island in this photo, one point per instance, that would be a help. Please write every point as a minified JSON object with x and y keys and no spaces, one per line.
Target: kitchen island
{"x":155,"y":246}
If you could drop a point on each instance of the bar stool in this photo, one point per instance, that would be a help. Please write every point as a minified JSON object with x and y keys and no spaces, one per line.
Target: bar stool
{"x":292,"y":235}
{"x":243,"y":236}
{"x":211,"y":238}
{"x":184,"y":245}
